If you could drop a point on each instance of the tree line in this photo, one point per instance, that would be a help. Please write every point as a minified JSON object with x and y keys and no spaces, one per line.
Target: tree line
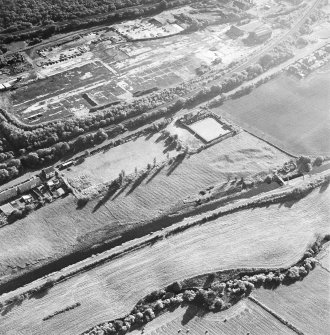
{"x":28,"y":19}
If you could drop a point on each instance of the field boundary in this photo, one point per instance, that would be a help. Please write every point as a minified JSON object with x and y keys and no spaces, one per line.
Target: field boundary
{"x":270,"y":143}
{"x":276,"y":316}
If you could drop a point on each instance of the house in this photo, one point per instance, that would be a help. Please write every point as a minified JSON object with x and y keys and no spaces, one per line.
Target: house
{"x":8,"y":194}
{"x":48,"y":172}
{"x":7,"y":209}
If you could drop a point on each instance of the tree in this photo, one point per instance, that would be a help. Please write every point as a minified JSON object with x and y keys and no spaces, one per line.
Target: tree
{"x":266,"y":61}
{"x":189,"y":295}
{"x":318,"y":161}
{"x":32,"y":159}
{"x":101,"y":135}
{"x":4,"y":175}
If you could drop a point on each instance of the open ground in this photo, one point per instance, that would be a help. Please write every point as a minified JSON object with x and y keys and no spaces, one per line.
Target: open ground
{"x":276,"y":236}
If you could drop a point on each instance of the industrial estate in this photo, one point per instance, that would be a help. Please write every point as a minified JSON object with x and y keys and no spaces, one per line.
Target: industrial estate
{"x":164,"y":167}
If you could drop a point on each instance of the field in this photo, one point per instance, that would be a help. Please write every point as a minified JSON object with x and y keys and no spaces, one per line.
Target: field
{"x":305,"y":304}
{"x":241,"y":319}
{"x":296,"y":117}
{"x":59,"y":227}
{"x":106,"y":166}
{"x":269,"y":237}
{"x":209,"y":129}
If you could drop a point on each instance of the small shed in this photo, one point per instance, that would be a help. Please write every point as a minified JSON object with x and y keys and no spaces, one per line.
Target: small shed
{"x":60,"y":192}
{"x":27,"y":198}
{"x":7,"y":209}
{"x":65,"y":165}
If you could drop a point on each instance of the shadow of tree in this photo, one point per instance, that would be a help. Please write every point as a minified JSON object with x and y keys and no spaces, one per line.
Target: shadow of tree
{"x":324,"y":187}
{"x":137,"y":182}
{"x":121,"y":191}
{"x":106,"y":197}
{"x":179,"y":159}
{"x":155,"y":173}
{"x":189,"y":314}
{"x":9,"y":307}
{"x":209,"y":280}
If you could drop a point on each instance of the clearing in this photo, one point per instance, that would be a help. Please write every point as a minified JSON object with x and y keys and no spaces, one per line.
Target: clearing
{"x":266,"y":237}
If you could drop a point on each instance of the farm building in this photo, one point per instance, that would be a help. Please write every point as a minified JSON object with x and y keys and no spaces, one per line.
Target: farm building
{"x":260,"y":35}
{"x":29,"y":184}
{"x":65,"y":165}
{"x":7,"y":209}
{"x":234,"y":32}
{"x":158,"y":22}
{"x":5,"y":86}
{"x":243,"y":4}
{"x":48,"y":173}
{"x":8,"y":194}
{"x":256,"y":30}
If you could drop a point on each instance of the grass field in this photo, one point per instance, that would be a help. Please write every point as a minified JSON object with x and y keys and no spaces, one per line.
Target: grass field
{"x":106,"y":165}
{"x":241,"y":319}
{"x":269,"y":237}
{"x":296,"y":117}
{"x":305,"y":304}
